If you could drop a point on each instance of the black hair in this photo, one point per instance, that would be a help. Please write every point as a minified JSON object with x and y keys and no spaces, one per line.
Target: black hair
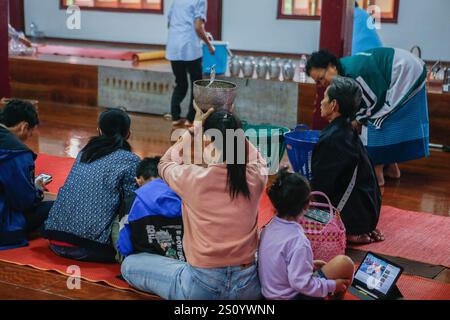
{"x":224,"y":120}
{"x":289,"y":193}
{"x":115,"y":129}
{"x":347,"y":93}
{"x":356,"y":4}
{"x":148,"y":168}
{"x":17,"y":111}
{"x":322,"y":59}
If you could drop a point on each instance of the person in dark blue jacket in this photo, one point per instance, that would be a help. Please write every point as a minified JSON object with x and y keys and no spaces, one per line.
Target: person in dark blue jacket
{"x":21,"y":207}
{"x":151,"y":221}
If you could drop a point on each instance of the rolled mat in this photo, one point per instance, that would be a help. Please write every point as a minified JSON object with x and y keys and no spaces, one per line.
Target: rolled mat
{"x":95,"y":53}
{"x":145,"y":56}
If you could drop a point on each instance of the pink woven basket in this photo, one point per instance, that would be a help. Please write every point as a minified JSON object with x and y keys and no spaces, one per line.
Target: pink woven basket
{"x":328,"y":240}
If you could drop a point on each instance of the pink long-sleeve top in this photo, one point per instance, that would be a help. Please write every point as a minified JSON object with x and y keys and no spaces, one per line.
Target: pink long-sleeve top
{"x":218,"y":231}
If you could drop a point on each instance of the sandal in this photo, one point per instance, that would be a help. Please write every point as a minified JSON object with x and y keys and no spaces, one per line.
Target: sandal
{"x":377,"y":236}
{"x":359,"y":239}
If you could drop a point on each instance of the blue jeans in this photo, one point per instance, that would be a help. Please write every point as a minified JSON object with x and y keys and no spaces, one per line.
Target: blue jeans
{"x":176,"y":280}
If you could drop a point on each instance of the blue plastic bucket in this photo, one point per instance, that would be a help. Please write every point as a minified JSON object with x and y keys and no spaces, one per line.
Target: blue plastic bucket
{"x":299,"y":145}
{"x":220,"y":58}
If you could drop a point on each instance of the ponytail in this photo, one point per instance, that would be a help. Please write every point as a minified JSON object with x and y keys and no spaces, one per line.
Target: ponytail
{"x":290,"y":193}
{"x":114,"y":125}
{"x":237,"y":175}
{"x":101,"y":146}
{"x":224,"y":120}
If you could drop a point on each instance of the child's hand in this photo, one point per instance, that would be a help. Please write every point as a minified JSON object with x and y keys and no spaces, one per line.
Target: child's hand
{"x":342,"y":286}
{"x":318,"y":264}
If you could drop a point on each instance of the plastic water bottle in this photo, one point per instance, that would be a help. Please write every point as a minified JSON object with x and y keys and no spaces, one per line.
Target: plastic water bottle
{"x":446,"y":83}
{"x":302,"y":68}
{"x":33,"y":30}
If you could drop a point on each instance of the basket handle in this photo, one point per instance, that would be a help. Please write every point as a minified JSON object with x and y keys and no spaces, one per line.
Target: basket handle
{"x":301,"y":127}
{"x":330,"y":206}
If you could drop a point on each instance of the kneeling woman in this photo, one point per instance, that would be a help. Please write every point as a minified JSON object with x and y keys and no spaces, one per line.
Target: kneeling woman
{"x":220,"y":204}
{"x":341,"y":167}
{"x":393,"y":115}
{"x":79,"y":224}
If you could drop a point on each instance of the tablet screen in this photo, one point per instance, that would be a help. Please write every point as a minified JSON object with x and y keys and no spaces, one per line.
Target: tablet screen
{"x":377,"y":274}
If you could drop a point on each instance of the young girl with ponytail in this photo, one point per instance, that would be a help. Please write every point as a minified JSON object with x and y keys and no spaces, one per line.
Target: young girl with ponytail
{"x":286,"y":267}
{"x":79,"y":224}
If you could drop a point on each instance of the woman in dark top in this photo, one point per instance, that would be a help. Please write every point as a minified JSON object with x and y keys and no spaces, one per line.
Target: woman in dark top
{"x":80,"y":222}
{"x":340,"y":158}
{"x":392,"y":118}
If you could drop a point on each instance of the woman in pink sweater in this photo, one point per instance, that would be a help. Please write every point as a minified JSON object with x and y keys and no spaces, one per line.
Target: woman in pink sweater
{"x":220,"y":203}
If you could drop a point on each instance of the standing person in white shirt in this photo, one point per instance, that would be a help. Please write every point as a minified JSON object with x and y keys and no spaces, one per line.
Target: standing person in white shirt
{"x":184,"y":50}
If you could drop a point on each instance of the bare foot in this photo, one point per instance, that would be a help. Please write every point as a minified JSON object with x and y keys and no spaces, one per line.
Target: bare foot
{"x":177,"y":122}
{"x":377,"y":236}
{"x":392,"y":171}
{"x":380,"y":174}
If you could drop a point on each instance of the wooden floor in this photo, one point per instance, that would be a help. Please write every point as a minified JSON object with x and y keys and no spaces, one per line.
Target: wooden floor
{"x":65,"y":129}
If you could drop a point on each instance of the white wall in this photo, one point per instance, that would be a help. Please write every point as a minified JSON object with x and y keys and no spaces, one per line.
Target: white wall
{"x":260,"y":29}
{"x":251,"y":25}
{"x":424,"y":23}
{"x":98,"y":25}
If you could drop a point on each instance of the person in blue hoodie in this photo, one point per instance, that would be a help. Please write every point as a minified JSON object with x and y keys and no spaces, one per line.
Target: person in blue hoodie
{"x":364,"y":37}
{"x":22,"y":210}
{"x":151,"y":219}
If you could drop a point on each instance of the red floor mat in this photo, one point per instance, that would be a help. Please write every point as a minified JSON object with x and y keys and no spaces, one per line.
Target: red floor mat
{"x":58,"y":167}
{"x":39,"y":256}
{"x":86,"y":52}
{"x":412,"y":235}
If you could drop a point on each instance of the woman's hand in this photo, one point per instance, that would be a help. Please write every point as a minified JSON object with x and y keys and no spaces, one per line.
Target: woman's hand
{"x":357,"y":126}
{"x":200,"y":116}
